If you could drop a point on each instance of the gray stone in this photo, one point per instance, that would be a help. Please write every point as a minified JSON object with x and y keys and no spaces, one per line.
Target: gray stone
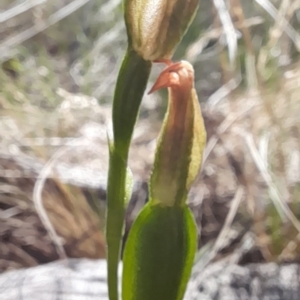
{"x":85,"y":279}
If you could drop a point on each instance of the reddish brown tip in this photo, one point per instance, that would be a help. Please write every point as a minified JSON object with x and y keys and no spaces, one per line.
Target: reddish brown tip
{"x":175,"y":74}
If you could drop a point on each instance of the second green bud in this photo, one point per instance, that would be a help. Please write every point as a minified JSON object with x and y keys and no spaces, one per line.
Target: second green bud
{"x":155,"y":27}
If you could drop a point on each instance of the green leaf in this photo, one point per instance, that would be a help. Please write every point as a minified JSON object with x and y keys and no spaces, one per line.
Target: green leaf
{"x":159,"y":253}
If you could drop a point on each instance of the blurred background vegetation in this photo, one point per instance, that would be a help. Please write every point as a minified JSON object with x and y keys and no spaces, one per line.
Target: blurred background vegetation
{"x":58,"y":65}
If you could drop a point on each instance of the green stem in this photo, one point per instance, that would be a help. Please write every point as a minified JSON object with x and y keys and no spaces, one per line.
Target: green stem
{"x":114,"y":219}
{"x":130,"y":87}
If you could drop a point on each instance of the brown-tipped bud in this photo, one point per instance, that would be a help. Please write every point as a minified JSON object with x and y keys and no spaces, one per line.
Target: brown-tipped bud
{"x":182,"y":138}
{"x":155,"y":27}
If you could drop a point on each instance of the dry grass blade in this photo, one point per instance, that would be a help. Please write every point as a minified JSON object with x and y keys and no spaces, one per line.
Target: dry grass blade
{"x":37,"y":195}
{"x":223,"y":127}
{"x":247,"y":243}
{"x":108,"y":7}
{"x":280,"y":204}
{"x":39,"y":185}
{"x":223,"y":91}
{"x":5,"y":47}
{"x":264,"y":148}
{"x":230,"y":32}
{"x":235,"y":203}
{"x":19,"y":9}
{"x":38,"y":201}
{"x":196,"y":48}
{"x":98,"y":62}
{"x":280,"y":19}
{"x":251,"y":77}
{"x":221,"y":239}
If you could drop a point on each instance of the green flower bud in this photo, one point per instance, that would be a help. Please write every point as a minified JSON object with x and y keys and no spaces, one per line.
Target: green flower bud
{"x":155,"y":27}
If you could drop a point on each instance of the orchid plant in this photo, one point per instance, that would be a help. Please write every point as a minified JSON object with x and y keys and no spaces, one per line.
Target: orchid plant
{"x":162,"y":242}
